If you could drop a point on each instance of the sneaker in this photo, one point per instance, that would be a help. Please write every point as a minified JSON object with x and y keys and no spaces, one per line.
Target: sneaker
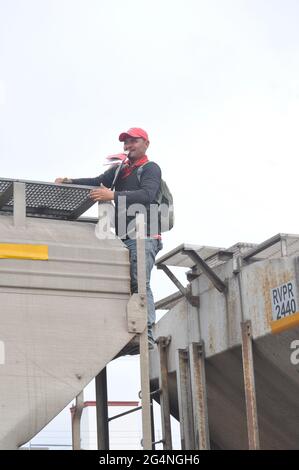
{"x":151,"y":342}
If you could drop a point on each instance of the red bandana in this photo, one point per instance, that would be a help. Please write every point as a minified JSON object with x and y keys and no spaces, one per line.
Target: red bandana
{"x":129,"y":167}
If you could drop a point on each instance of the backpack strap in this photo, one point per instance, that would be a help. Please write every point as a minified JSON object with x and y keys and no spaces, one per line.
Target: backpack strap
{"x":140,"y":170}
{"x":116,"y":174}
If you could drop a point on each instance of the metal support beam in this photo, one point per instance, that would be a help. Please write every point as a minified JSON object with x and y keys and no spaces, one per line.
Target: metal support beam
{"x":171,"y":276}
{"x":125,"y":413}
{"x":153,"y":423}
{"x":19,"y":205}
{"x":144,"y":354}
{"x":76,"y":422}
{"x":199,"y":396}
{"x":163,"y":343}
{"x":196,"y":271}
{"x":249,"y":384}
{"x":217,"y":282}
{"x":284,"y":246}
{"x":102,"y":410}
{"x":194,"y":300}
{"x":263,"y":246}
{"x":184,"y":400}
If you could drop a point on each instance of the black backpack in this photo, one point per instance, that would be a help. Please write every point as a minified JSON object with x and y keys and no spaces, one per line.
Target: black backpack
{"x":164,"y":199}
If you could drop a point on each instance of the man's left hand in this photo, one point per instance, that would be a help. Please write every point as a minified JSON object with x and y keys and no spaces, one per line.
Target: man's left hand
{"x":102,"y":194}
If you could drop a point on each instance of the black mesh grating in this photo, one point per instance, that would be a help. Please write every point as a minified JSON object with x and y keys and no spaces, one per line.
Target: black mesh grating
{"x":48,"y":199}
{"x":4,"y":185}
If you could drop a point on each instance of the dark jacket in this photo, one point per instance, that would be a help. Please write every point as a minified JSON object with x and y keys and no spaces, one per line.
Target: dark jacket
{"x":135,"y":192}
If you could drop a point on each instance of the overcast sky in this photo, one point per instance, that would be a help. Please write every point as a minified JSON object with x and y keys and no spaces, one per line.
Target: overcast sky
{"x":215,"y":83}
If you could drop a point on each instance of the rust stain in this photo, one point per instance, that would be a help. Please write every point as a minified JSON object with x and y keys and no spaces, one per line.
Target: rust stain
{"x":232,"y":309}
{"x":211,"y":339}
{"x":268,"y":282}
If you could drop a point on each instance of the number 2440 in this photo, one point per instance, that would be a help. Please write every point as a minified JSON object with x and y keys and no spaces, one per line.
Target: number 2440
{"x":285,"y":309}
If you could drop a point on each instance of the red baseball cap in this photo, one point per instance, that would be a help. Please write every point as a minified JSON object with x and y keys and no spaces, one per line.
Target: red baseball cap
{"x":133,"y":132}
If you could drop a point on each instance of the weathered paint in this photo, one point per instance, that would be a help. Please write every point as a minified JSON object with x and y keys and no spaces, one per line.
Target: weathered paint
{"x":276,"y":376}
{"x":285,"y":323}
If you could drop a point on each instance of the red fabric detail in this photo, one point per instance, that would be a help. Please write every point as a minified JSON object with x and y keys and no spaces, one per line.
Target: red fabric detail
{"x":114,"y":160}
{"x":129,"y":167}
{"x":117,"y":156}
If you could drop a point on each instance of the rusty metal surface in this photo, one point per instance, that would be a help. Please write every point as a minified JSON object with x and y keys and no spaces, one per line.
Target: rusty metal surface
{"x":220,"y":315}
{"x":249,"y":386}
{"x":276,"y":383}
{"x":163,"y":344}
{"x":257,"y":282}
{"x":276,"y":378}
{"x":184,"y":400}
{"x":199,"y":396}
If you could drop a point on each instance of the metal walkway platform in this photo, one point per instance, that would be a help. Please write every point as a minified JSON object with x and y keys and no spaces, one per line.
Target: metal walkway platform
{"x":50,"y":200}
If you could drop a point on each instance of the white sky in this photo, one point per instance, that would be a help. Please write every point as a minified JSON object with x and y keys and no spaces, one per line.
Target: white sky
{"x":215,"y":83}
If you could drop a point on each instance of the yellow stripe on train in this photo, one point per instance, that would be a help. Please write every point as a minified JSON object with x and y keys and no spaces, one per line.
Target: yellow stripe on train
{"x":24,"y":251}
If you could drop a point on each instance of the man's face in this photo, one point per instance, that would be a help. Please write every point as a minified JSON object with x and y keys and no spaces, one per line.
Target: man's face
{"x":136,"y":146}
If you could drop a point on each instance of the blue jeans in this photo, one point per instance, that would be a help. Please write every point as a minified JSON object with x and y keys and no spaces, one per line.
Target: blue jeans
{"x":152,"y":247}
